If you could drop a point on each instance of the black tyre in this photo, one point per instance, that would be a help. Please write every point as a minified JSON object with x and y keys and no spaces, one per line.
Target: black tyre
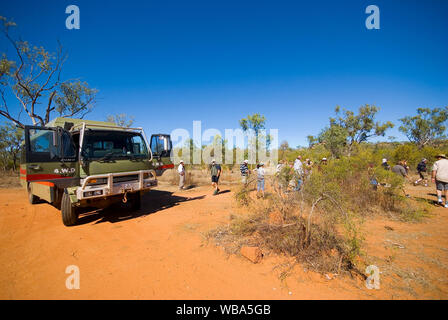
{"x":136,"y":201}
{"x":31,"y":197}
{"x":69,"y":212}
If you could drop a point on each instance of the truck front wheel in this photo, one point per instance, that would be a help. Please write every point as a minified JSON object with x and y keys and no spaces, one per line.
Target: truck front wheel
{"x":69,"y":212}
{"x":31,"y":197}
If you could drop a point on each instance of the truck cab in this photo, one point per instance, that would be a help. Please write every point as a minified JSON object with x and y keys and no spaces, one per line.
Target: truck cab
{"x":73,"y":163}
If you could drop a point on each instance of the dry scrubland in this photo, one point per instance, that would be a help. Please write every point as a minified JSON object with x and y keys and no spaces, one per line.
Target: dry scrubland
{"x":187,"y":244}
{"x":9,"y":179}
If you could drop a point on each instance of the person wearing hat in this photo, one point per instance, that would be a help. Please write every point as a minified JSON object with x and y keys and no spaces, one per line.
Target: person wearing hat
{"x":215,"y":171}
{"x":421,"y":169}
{"x":181,"y":171}
{"x":260,"y":178}
{"x":244,"y":169}
{"x":440,"y":178}
{"x":322,"y":164}
{"x":385,"y":165}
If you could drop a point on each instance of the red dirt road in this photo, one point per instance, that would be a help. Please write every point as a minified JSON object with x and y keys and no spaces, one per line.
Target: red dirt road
{"x":159,"y":253}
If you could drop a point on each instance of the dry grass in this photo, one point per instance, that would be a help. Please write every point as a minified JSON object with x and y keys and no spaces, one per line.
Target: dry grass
{"x":9,"y":179}
{"x":314,"y":242}
{"x":199,"y":177}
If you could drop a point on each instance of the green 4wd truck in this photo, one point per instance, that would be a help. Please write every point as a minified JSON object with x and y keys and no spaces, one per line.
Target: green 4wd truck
{"x":73,"y":163}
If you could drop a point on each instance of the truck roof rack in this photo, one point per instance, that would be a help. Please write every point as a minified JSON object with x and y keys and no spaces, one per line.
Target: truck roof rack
{"x":79,"y":126}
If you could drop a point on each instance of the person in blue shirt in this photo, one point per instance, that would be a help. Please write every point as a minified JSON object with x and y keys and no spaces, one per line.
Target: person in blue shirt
{"x":244,"y":169}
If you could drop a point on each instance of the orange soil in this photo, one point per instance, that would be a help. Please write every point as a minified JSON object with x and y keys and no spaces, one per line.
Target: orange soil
{"x":159,"y":252}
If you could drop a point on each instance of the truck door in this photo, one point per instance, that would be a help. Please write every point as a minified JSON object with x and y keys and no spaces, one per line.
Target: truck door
{"x":161,"y":147}
{"x":50,"y":161}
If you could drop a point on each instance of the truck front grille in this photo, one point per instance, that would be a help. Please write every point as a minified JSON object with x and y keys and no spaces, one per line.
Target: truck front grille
{"x":133,"y":177}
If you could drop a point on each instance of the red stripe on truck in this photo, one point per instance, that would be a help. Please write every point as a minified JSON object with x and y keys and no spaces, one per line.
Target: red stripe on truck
{"x":33,"y":177}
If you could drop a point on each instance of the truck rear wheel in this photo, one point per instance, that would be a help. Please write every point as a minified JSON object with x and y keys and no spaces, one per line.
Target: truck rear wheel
{"x":69,"y":212}
{"x":31,"y":197}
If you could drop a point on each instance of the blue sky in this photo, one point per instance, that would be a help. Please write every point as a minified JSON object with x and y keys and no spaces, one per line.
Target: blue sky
{"x":171,"y":62}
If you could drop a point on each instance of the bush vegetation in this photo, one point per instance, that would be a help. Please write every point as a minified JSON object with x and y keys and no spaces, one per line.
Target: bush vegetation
{"x":322,"y":223}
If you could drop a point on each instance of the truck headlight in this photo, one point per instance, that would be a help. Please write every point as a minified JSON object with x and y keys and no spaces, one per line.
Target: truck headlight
{"x":97,"y":181}
{"x":93,"y":193}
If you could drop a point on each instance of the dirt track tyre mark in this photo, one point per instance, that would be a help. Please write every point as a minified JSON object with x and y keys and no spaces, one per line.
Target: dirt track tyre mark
{"x":69,"y":212}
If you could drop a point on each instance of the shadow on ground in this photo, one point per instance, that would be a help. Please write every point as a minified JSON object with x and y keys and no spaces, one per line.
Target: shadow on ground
{"x":430,"y":201}
{"x":152,"y":202}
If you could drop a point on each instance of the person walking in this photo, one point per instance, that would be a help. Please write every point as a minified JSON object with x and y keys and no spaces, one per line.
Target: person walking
{"x":215,"y":171}
{"x":260,"y":179}
{"x":400,"y":169}
{"x":181,"y":171}
{"x":244,"y":169}
{"x":440,"y":178}
{"x":298,"y":171}
{"x":385,"y":165}
{"x":421,"y":169}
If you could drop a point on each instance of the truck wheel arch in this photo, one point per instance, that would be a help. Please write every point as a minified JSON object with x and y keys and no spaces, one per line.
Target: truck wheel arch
{"x":31,"y":197}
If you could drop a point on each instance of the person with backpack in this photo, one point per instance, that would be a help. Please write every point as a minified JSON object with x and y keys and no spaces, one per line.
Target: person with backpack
{"x":400,"y":170}
{"x":215,"y":171}
{"x":244,"y":169}
{"x":421,"y":169}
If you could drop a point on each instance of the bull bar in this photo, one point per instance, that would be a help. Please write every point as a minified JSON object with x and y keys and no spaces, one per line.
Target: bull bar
{"x":110,"y":188}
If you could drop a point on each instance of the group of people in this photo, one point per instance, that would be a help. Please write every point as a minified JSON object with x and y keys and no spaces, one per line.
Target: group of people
{"x":439,"y":175}
{"x":259,"y":171}
{"x":301,"y":170}
{"x":215,"y":170}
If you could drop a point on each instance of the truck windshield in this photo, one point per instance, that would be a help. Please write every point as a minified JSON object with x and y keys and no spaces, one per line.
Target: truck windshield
{"x":113,"y":145}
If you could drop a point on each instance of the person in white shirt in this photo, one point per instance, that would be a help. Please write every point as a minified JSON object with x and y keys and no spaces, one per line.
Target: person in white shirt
{"x":440,"y":178}
{"x":181,"y":171}
{"x":298,"y":169}
{"x":260,"y":178}
{"x":279,"y":167}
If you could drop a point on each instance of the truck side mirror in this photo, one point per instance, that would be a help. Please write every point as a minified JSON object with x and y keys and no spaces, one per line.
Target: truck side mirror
{"x":166,"y":146}
{"x":161,"y":145}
